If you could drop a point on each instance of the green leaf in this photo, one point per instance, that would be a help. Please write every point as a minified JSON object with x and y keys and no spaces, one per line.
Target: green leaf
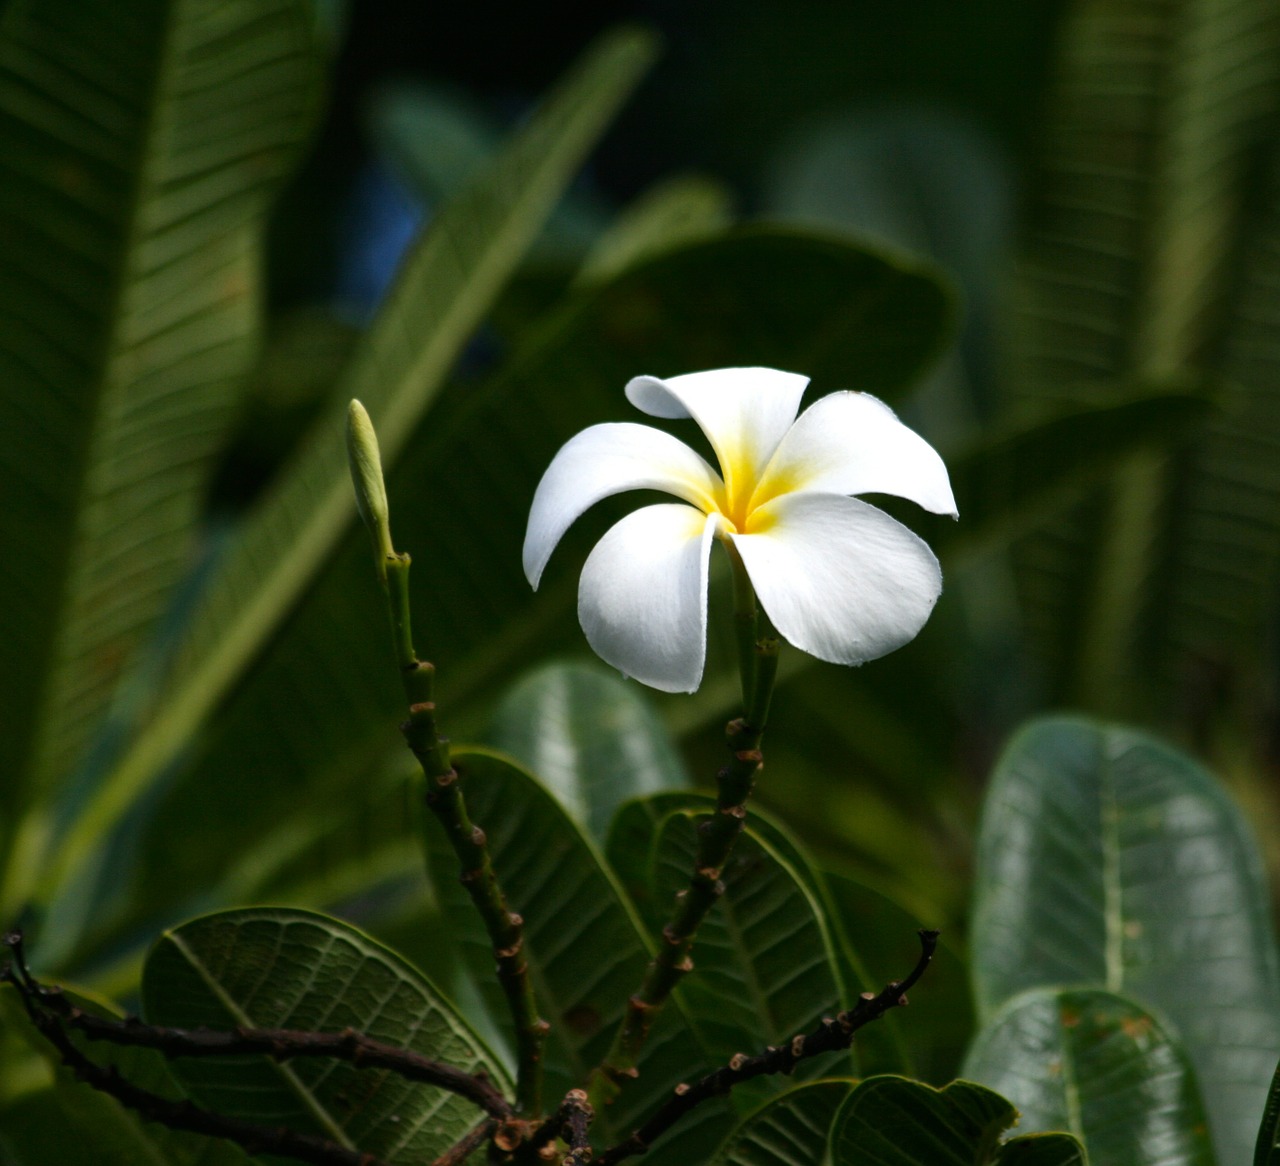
{"x":1108,"y":859}
{"x":1267,"y":1150}
{"x":788,"y":1130}
{"x":444,"y":288}
{"x":1042,"y":1150}
{"x":1100,"y":1066}
{"x":585,"y":951}
{"x":592,"y":739}
{"x":671,"y":213}
{"x":766,"y":964}
{"x":459,"y":503}
{"x":892,"y":1121}
{"x":633,"y":840}
{"x":269,"y":968}
{"x":141,"y":144}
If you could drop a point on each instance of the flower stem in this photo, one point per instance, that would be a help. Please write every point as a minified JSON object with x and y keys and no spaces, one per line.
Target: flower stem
{"x":758,"y":661}
{"x":445,"y":800}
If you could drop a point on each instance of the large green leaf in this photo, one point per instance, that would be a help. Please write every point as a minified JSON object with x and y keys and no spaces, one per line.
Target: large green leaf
{"x":270,"y":968}
{"x":443,"y":291}
{"x":1100,"y":1066}
{"x":460,"y":502}
{"x":893,"y":1121}
{"x":634,"y":840}
{"x":141,"y":144}
{"x":585,"y":951}
{"x":592,"y":738}
{"x":766,"y":965}
{"x":1110,"y":860}
{"x":791,"y":1129}
{"x":1144,"y":222}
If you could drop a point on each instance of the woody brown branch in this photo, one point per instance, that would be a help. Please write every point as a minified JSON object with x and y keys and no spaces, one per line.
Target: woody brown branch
{"x":829,"y":1036}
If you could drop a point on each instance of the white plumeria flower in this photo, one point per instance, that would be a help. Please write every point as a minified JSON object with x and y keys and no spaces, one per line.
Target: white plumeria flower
{"x":838,"y":578}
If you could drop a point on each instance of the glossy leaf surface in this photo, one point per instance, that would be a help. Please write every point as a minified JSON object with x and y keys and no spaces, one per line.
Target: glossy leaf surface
{"x":1108,"y":859}
{"x":1103,"y":1068}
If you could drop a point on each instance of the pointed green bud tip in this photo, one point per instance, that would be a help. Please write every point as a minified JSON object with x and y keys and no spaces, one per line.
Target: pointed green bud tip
{"x":366,"y":476}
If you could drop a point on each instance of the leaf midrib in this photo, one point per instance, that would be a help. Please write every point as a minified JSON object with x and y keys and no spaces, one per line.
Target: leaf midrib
{"x":285,"y":1071}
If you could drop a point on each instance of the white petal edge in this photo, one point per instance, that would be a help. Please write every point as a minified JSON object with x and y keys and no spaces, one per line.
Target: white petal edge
{"x":642,"y":598}
{"x":605,"y":460}
{"x":743,"y":411}
{"x":852,"y":443}
{"x":840,"y":579}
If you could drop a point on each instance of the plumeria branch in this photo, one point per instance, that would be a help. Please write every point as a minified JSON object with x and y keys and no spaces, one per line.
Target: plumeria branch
{"x":829,"y":1036}
{"x":716,"y":837}
{"x":48,"y":1011}
{"x":444,"y":797}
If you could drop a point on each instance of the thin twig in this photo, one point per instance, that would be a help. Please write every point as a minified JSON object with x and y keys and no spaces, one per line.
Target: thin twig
{"x":445,"y":799}
{"x":175,"y":1115}
{"x":830,"y":1035}
{"x":281,"y":1044}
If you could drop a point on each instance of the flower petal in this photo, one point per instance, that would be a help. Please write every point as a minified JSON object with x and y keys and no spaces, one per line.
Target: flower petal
{"x":743,"y":411}
{"x":606,"y":460}
{"x":851,"y":443}
{"x":642,"y":598}
{"x":840,"y":579}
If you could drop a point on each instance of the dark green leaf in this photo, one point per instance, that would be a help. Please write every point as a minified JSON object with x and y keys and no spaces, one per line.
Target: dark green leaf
{"x":141,"y":144}
{"x":1042,"y":1150}
{"x":891,"y":1121}
{"x":766,"y":964}
{"x":591,"y":737}
{"x":290,"y":969}
{"x":632,"y":839}
{"x":791,"y":1129}
{"x":1108,"y":859}
{"x":584,"y":947}
{"x":1100,"y":1066}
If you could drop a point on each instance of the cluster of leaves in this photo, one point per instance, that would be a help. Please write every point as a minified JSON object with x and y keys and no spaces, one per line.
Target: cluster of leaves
{"x":1126,"y":970}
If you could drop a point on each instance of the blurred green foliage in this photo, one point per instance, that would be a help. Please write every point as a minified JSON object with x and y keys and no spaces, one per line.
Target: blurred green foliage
{"x":198,"y":708}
